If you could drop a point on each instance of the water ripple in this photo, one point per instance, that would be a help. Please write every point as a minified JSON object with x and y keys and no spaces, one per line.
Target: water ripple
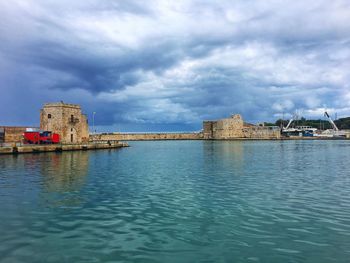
{"x":179,"y":202}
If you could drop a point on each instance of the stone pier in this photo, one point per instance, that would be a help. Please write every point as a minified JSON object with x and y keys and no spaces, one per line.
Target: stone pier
{"x":30,"y":148}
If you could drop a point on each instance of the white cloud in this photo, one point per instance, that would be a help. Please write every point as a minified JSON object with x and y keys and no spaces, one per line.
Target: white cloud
{"x":182,"y":61}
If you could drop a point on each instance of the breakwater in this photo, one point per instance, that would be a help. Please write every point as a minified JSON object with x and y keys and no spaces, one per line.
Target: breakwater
{"x":146,"y":136}
{"x":29,"y":148}
{"x":253,"y":133}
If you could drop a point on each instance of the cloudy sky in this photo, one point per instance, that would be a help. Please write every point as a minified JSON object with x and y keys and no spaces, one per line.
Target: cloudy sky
{"x":167,"y":65}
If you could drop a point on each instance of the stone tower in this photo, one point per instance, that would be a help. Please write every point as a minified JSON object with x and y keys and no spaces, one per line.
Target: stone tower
{"x":65,"y":119}
{"x":228,"y":128}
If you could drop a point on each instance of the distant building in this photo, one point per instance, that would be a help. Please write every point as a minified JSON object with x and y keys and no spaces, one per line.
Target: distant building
{"x":235,"y":128}
{"x":65,"y":119}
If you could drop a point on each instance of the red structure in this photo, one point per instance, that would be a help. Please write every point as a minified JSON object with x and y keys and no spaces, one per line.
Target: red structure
{"x":42,"y":137}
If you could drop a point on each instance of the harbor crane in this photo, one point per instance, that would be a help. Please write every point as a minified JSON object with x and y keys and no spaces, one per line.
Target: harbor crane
{"x":336,"y":132}
{"x":294,"y":117}
{"x":289,"y":123}
{"x":335,"y":128}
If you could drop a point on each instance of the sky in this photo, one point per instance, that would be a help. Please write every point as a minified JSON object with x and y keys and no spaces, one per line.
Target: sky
{"x":163,"y":65}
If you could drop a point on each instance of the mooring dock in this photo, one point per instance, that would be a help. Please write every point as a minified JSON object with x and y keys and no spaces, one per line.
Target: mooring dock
{"x":31,"y":148}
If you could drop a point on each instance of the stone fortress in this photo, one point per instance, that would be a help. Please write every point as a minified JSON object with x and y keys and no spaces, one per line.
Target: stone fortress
{"x":224,"y":128}
{"x":67,"y":120}
{"x":235,"y":128}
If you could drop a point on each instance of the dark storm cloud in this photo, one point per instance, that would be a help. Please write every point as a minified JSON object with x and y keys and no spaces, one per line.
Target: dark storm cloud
{"x":167,"y":62}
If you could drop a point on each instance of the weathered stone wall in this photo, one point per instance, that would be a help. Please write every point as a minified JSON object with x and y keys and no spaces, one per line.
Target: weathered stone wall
{"x":258,"y":132}
{"x":145,"y":136}
{"x":14,"y":134}
{"x":84,"y":128}
{"x":2,"y":134}
{"x":228,"y":128}
{"x":11,"y":134}
{"x":65,"y":119}
{"x":208,"y":129}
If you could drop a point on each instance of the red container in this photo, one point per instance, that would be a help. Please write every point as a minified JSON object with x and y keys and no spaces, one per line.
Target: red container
{"x":44,"y":137}
{"x":31,"y":137}
{"x":55,"y":138}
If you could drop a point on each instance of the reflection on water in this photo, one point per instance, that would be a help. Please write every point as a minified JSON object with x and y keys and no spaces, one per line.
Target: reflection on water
{"x":65,"y":172}
{"x":57,"y":176}
{"x":179,"y":201}
{"x":63,"y":176}
{"x":224,"y":153}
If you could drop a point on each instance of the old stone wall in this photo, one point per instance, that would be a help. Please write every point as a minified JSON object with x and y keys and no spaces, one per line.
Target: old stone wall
{"x":208,"y":129}
{"x":228,"y":128}
{"x":12,"y":134}
{"x":145,"y":136}
{"x":258,"y":132}
{"x":2,"y":134}
{"x":65,"y":119}
{"x":84,"y":128}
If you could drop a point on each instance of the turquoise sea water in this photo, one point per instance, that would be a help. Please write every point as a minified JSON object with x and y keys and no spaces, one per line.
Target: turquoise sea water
{"x":179,"y":201}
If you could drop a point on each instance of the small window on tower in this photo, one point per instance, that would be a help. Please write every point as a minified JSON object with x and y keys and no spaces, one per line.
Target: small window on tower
{"x":71,"y":129}
{"x":49,"y":116}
